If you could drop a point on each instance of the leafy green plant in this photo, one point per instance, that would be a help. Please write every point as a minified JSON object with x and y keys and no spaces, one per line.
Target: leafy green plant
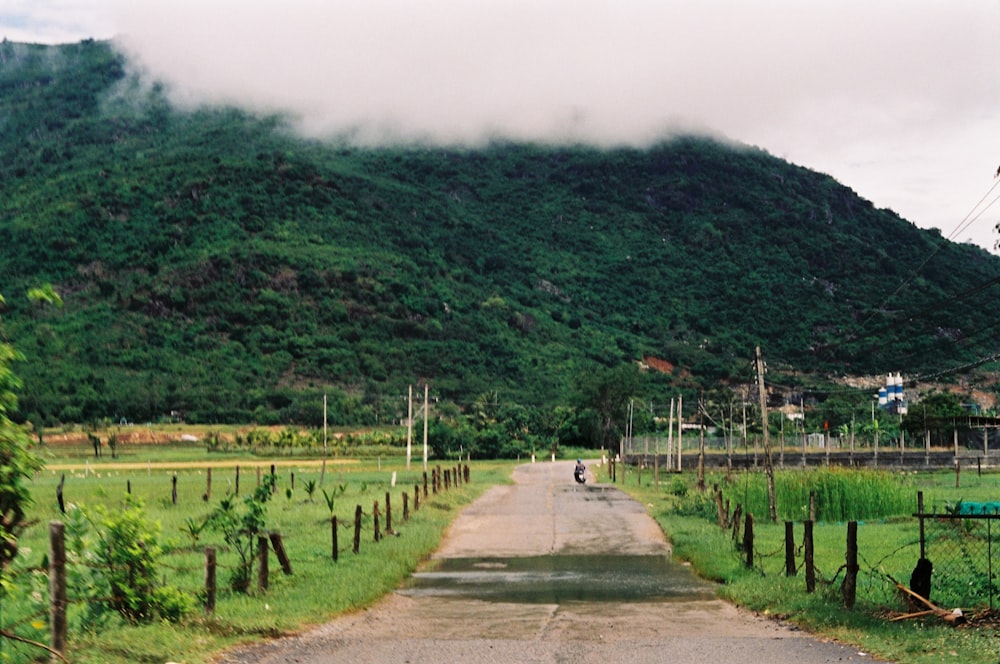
{"x":117,"y":554}
{"x":193,"y":528}
{"x":310,"y":487}
{"x":240,"y":522}
{"x":331,"y":497}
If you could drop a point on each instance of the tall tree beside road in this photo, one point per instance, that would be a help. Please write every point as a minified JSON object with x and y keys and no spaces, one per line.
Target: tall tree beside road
{"x":17,"y":462}
{"x":605,"y":394}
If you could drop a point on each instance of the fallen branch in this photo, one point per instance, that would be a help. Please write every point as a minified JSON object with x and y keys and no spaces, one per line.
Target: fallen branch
{"x":907,"y":616}
{"x":14,"y":637}
{"x":953,"y":617}
{"x":923,"y":600}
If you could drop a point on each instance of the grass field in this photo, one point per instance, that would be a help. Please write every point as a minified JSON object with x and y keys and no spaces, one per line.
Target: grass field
{"x":318,"y":587}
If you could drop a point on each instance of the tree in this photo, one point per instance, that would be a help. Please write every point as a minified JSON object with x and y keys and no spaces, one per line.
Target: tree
{"x":17,"y":464}
{"x":605,"y":393}
{"x":937,"y":408}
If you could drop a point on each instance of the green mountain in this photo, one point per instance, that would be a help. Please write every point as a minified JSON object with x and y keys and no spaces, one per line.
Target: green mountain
{"x":213,"y":264}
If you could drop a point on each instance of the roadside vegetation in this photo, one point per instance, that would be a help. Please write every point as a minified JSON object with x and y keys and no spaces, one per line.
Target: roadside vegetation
{"x":888,"y":544}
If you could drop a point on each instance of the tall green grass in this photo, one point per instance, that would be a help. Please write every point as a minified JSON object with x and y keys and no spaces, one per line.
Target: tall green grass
{"x":840,"y":494}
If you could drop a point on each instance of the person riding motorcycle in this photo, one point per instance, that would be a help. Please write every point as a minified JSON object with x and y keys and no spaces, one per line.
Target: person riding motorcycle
{"x":579,"y":472}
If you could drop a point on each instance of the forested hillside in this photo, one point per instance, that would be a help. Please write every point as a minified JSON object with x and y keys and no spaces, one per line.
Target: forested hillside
{"x":215,"y":265}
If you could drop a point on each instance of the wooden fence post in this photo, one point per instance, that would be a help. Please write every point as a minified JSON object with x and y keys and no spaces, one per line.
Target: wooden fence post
{"x":748,"y":539}
{"x":334,"y":549}
{"x":59,"y":494}
{"x":920,"y":511}
{"x":357,"y":528}
{"x":447,"y":479}
{"x":718,"y":505}
{"x":465,"y":472}
{"x":425,"y":484}
{"x":807,"y":545}
{"x":789,"y":549}
{"x":388,"y":514}
{"x":406,"y":507}
{"x":173,"y":489}
{"x":57,"y":586}
{"x":237,"y":480}
{"x":737,"y":516}
{"x":279,"y":550}
{"x":851,"y":576}
{"x":208,"y":484}
{"x":378,"y":535}
{"x":210,"y":569}
{"x":416,"y":497}
{"x":262,"y":555}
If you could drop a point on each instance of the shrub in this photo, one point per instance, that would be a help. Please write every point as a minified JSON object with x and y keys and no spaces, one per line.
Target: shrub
{"x":119,"y":564}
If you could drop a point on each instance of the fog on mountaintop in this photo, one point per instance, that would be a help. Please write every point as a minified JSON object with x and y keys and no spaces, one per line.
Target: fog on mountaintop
{"x":451,"y":71}
{"x":893,"y":98}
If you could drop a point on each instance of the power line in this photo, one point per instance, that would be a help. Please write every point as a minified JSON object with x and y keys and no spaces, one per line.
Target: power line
{"x":969,"y":218}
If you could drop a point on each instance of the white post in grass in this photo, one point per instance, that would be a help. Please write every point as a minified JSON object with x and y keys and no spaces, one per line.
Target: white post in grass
{"x":426,"y":392}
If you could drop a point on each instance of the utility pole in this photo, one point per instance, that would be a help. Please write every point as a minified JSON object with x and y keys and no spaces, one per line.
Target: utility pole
{"x":409,"y":428}
{"x":701,"y":441}
{"x":670,"y":436}
{"x":768,"y":466}
{"x":680,"y":431}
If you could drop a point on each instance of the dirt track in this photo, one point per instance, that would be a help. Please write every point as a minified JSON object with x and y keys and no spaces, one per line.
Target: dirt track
{"x":542,"y":571}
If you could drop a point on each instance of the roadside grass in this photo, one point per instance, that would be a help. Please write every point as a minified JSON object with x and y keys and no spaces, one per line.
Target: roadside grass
{"x":888,"y":548}
{"x":318,"y":588}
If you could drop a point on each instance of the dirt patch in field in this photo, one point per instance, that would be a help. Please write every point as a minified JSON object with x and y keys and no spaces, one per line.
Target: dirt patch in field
{"x":127,"y":437}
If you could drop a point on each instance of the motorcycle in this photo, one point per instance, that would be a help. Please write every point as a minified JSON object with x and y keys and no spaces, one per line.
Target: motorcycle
{"x":579,"y":475}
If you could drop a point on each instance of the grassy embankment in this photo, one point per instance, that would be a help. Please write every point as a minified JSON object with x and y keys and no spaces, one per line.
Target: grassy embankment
{"x":888,"y":549}
{"x":318,"y":588}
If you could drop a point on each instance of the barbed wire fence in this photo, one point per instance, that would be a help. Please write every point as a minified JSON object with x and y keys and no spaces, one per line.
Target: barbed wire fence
{"x":61,"y":571}
{"x":961,"y":544}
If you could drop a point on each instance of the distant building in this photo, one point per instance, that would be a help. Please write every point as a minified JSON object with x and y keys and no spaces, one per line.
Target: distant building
{"x":890,"y":397}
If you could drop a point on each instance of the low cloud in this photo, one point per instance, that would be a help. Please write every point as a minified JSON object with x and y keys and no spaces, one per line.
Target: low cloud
{"x":455,"y":71}
{"x":898,"y":100}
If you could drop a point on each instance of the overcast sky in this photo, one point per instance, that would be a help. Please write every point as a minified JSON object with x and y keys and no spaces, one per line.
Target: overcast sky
{"x":898,"y":100}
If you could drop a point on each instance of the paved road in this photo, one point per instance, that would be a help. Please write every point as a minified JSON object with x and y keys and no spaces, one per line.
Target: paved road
{"x":548,"y":571}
